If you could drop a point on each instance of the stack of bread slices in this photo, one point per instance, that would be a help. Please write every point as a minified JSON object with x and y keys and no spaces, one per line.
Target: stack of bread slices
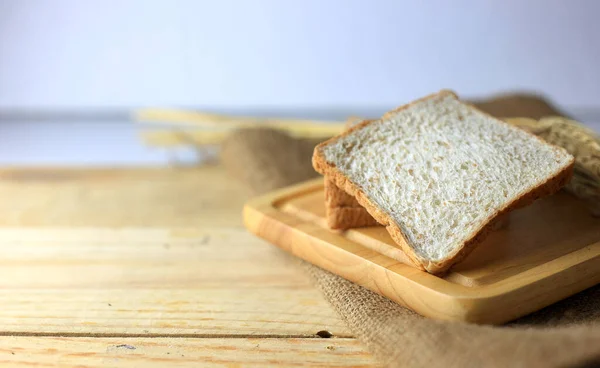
{"x":438,"y":174}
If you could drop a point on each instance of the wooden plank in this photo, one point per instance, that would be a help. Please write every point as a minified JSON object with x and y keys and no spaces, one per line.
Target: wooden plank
{"x":185,"y":197}
{"x":155,"y":282}
{"x":549,"y":251}
{"x":181,"y":352}
{"x":156,"y":259}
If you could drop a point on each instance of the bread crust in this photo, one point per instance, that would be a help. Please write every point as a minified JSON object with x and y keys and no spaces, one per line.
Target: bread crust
{"x":343,"y":218}
{"x":341,"y":209}
{"x":550,"y":186}
{"x":336,"y":197}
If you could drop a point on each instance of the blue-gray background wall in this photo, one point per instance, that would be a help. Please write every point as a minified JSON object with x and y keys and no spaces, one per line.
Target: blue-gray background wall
{"x":294,"y":56}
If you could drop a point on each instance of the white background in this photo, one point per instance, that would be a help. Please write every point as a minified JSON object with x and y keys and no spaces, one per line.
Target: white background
{"x":303,"y":58}
{"x":284,"y":53}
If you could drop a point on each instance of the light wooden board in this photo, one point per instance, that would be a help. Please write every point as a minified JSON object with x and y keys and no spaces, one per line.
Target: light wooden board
{"x":181,"y":352}
{"x":159,"y":255}
{"x":548,"y":251}
{"x":170,"y":197}
{"x":154,"y":282}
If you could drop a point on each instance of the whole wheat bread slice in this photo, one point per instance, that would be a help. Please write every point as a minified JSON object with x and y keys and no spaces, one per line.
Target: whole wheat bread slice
{"x":439,"y":173}
{"x":341,"y":209}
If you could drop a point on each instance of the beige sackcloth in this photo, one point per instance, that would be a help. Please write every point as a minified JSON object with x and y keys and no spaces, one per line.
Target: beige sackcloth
{"x":566,"y":334}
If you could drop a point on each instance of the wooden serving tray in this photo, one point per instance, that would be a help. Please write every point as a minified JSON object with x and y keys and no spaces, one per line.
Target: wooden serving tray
{"x":547,"y":251}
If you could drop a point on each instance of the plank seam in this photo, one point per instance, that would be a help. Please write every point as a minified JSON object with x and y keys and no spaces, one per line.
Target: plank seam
{"x":180,"y":336}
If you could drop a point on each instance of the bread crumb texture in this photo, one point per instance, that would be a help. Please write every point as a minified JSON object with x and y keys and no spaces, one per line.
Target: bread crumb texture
{"x":441,"y":169}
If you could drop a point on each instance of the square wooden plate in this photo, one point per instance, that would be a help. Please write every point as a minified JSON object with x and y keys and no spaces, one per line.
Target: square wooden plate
{"x":546,"y":252}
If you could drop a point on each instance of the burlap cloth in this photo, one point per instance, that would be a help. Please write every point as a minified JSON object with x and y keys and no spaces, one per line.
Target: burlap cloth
{"x":566,"y":334}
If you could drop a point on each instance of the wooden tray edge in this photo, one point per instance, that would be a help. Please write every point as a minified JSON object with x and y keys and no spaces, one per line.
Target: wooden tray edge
{"x":426,"y":294}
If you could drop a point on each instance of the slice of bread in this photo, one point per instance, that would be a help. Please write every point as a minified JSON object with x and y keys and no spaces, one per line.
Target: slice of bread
{"x":439,"y":173}
{"x":341,"y":209}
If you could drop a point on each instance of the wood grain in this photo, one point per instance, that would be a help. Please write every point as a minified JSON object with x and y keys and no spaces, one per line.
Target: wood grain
{"x":170,"y":197}
{"x":154,"y":281}
{"x":549,"y":251}
{"x":150,"y":257}
{"x":181,"y":352}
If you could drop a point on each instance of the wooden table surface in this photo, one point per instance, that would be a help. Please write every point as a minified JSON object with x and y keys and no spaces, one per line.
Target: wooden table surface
{"x":151,"y":267}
